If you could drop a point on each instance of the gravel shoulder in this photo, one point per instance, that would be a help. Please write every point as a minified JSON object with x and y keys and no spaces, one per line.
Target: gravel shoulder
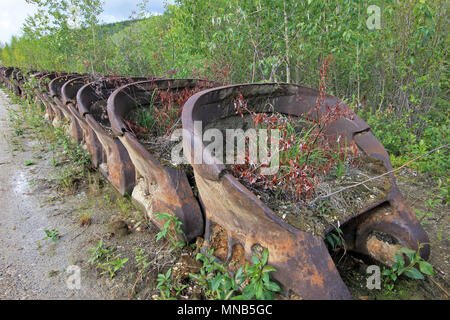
{"x":32,"y":267}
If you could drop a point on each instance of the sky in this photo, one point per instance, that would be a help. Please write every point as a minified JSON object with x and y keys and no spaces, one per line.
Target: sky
{"x":14,"y":12}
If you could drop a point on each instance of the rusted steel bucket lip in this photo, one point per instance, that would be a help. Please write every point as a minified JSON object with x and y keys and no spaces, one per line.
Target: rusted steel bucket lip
{"x":8,"y":73}
{"x":69,"y":102}
{"x":118,"y":125}
{"x":38,"y":75}
{"x":83,"y":104}
{"x":44,"y":88}
{"x":41,"y":90}
{"x":81,"y":120}
{"x":3,"y":76}
{"x":65,"y":98}
{"x":119,"y":169}
{"x":85,"y":109}
{"x":218,"y":171}
{"x":55,"y":88}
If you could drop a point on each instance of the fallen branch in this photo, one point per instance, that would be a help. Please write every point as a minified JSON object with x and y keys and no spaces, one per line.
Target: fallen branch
{"x":378,"y":177}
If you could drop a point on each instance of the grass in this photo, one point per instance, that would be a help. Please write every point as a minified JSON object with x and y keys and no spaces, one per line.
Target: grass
{"x":162,"y":115}
{"x":145,"y":117}
{"x":94,"y":183}
{"x":85,"y":218}
{"x":128,"y":208}
{"x":72,"y":164}
{"x":125,"y":205}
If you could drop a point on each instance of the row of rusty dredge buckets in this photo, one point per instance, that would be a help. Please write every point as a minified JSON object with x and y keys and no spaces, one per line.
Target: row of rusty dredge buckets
{"x":207,"y":197}
{"x":12,"y":78}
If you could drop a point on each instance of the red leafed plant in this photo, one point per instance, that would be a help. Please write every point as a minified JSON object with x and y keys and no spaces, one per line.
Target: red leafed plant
{"x":304,"y":150}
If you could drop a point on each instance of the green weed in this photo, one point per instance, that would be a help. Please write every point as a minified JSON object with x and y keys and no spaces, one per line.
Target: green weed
{"x":414,"y":268}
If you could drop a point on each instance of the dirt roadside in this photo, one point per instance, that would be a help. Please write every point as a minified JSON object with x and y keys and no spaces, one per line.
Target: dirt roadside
{"x":32,"y":267}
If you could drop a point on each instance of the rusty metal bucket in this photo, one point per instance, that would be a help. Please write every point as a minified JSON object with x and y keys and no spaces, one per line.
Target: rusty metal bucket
{"x":62,"y":114}
{"x":117,"y":166}
{"x":22,"y":77}
{"x":16,"y":78}
{"x":4,"y":75}
{"x":42,"y":92}
{"x":77,"y":123}
{"x":302,"y":260}
{"x":30,"y":90}
{"x":161,"y":187}
{"x":7,"y":77}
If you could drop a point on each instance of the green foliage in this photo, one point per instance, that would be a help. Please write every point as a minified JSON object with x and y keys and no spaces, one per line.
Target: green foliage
{"x":145,"y":117}
{"x":258,"y":277}
{"x":112,"y":265}
{"x":334,"y":239}
{"x":52,"y":234}
{"x":98,"y":253}
{"x":171,"y":230}
{"x":401,"y":267}
{"x":75,"y":161}
{"x":29,"y":163}
{"x":125,"y":204}
{"x":106,"y":260}
{"x":405,"y":142}
{"x":214,"y":278}
{"x":141,"y":260}
{"x":165,"y":285}
{"x":253,"y":41}
{"x":249,"y":282}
